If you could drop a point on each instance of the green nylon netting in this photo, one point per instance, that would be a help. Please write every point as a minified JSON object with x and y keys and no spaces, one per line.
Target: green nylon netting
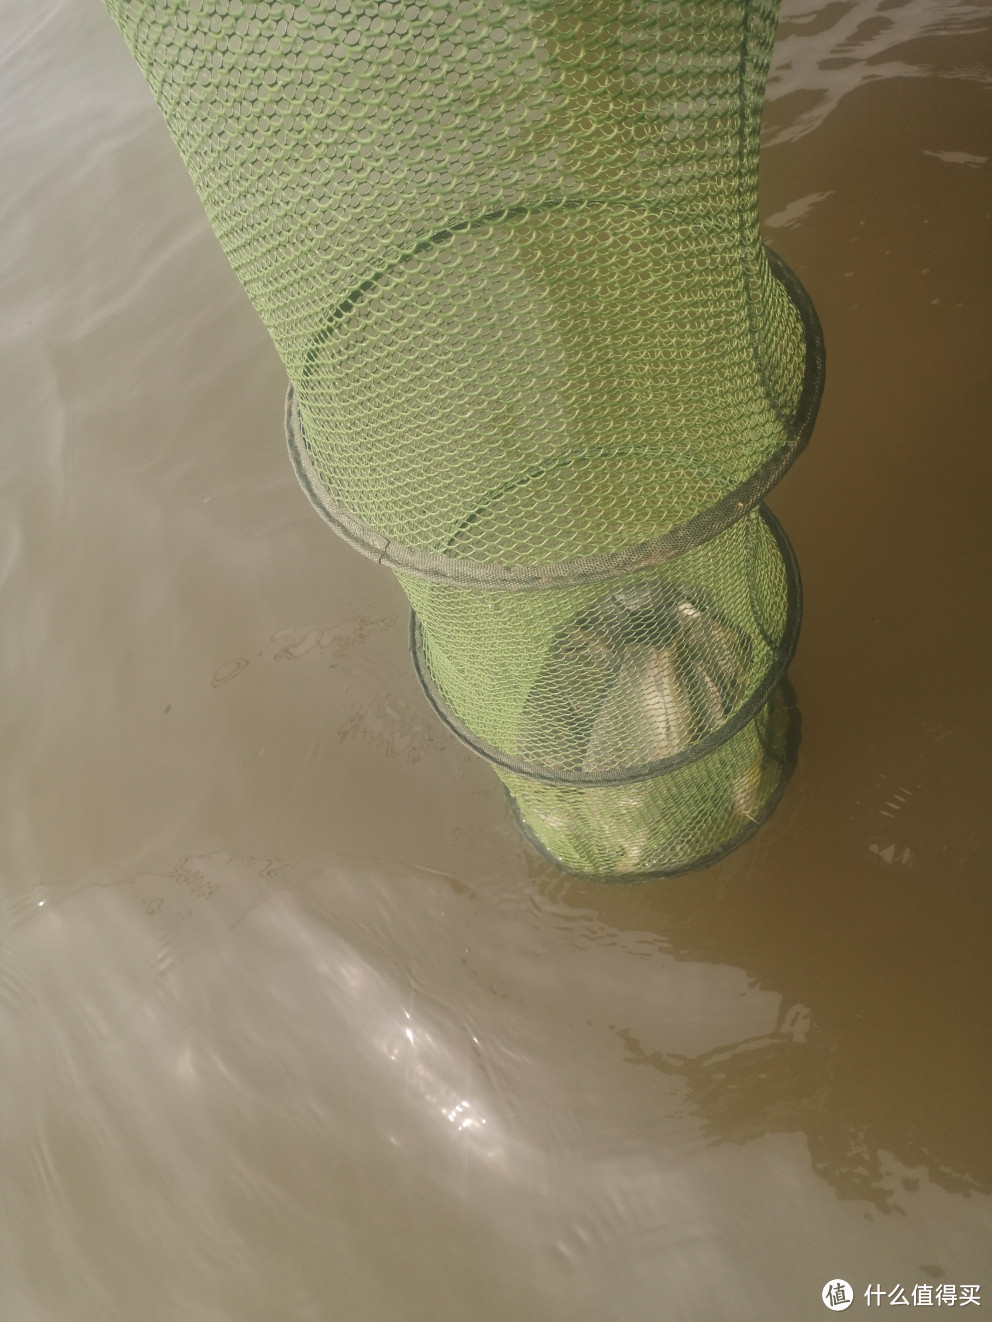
{"x":606,"y":680}
{"x":540,"y":363}
{"x":671,"y":823}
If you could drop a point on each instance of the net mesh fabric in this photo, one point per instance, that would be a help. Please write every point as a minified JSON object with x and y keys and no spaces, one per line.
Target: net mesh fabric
{"x":540,"y":364}
{"x":585,"y":683}
{"x":500,"y":247}
{"x":671,"y":823}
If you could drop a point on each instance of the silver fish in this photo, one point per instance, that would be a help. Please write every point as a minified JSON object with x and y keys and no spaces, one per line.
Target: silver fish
{"x":647,"y":713}
{"x":749,"y":789}
{"x":643,"y":674}
{"x":681,"y":671}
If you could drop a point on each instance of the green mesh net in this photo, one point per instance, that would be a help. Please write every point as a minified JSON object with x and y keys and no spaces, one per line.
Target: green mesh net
{"x":670,"y":823}
{"x":609,"y":680}
{"x":540,"y":364}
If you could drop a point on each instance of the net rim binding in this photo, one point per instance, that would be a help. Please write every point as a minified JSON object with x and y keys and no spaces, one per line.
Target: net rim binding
{"x":745,"y":713}
{"x":788,"y":761}
{"x":496,"y":576}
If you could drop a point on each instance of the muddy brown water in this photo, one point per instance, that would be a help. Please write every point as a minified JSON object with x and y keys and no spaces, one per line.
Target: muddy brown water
{"x":294,"y":1024}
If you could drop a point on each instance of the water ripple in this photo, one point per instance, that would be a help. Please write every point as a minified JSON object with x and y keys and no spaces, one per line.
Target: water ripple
{"x":824,"y":53}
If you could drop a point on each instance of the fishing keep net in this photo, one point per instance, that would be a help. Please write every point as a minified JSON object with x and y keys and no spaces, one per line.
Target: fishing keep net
{"x":540,"y":364}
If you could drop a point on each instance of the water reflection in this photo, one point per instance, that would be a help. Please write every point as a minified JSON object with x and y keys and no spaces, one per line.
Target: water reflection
{"x":823,"y":52}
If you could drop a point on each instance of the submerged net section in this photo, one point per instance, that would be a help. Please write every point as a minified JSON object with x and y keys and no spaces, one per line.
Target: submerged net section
{"x":641,"y":725}
{"x":672,"y":823}
{"x":540,"y":362}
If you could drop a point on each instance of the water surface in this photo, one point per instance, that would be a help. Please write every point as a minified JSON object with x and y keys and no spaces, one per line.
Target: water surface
{"x":295,"y":1025}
